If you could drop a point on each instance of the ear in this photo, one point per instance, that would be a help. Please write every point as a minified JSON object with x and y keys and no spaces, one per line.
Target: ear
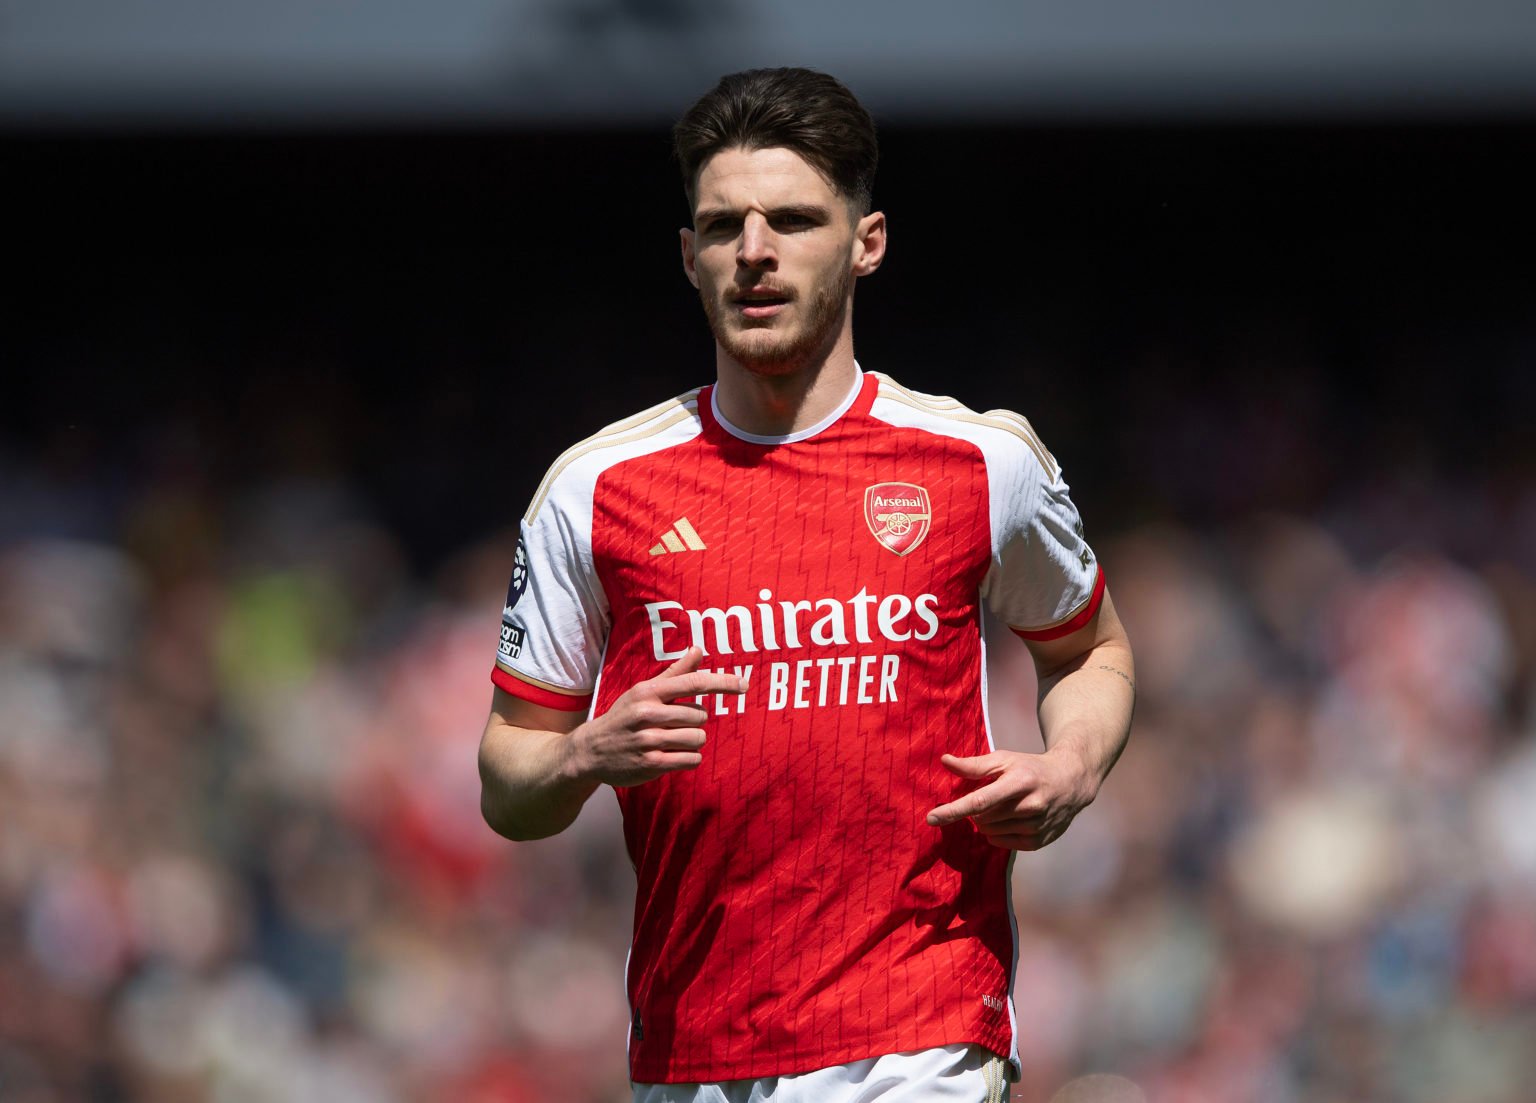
{"x":868,"y":243}
{"x":688,"y":267}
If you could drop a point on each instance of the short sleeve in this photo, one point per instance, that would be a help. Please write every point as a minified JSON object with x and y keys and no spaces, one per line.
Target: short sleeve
{"x":1044,"y":581}
{"x":555,"y":623}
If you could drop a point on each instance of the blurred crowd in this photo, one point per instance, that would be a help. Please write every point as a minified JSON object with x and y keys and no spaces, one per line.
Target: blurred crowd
{"x":241,"y":854}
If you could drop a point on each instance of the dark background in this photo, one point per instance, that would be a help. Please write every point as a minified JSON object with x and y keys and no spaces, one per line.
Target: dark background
{"x":1198,"y":319}
{"x":275,"y":399}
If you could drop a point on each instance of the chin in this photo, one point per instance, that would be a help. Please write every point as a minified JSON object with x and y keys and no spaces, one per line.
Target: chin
{"x":765,"y":353}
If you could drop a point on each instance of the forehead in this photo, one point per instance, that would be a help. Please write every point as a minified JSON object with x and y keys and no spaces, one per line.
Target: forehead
{"x":738,"y":178}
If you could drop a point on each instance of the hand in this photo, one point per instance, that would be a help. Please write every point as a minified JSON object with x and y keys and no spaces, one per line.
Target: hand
{"x":650,"y":730}
{"x":1028,"y":799}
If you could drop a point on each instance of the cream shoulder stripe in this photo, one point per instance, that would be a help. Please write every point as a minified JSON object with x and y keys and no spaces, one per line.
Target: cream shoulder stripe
{"x":944,"y":404}
{"x":521,"y":677}
{"x":937,"y":402}
{"x":1023,"y":423}
{"x":1007,"y":425}
{"x":642,"y":417}
{"x":653,"y":421}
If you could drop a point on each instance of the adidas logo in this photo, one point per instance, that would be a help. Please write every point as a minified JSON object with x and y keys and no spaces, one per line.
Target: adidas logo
{"x":680,"y":537}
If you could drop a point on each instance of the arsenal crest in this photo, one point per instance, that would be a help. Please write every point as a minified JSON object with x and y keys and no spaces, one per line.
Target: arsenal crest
{"x":898,"y":514}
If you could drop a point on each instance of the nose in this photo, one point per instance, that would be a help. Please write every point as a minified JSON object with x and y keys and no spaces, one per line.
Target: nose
{"x":757,"y":247}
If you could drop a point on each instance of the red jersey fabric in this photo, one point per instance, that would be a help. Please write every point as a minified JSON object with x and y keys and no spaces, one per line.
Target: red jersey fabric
{"x":794,"y":909}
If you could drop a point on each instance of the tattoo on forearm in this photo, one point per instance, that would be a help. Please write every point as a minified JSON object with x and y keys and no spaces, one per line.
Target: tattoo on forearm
{"x":1123,"y":674}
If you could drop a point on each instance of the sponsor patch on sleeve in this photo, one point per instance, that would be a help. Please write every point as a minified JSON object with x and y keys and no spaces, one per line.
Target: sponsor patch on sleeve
{"x":511,"y":639}
{"x":519,"y":576}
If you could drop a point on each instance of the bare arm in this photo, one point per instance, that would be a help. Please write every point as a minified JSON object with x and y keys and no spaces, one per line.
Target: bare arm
{"x":527,"y":787}
{"x":538,"y":765}
{"x":1087,"y":690}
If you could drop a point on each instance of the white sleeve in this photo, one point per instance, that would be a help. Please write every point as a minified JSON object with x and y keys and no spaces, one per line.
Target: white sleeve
{"x":1044,"y":581}
{"x":555,"y":623}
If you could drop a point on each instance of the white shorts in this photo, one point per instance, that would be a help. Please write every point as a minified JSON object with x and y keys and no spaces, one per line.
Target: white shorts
{"x":949,"y":1074}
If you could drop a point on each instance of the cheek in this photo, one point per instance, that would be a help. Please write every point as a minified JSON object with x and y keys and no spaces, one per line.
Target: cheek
{"x":831,"y":262}
{"x":710,"y":270}
{"x":825,"y":278}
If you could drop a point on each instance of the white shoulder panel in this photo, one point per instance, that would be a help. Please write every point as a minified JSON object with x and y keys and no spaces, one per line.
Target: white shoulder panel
{"x":669,"y":423}
{"x":1042,"y":569}
{"x":555,"y":624}
{"x":1014,"y":456}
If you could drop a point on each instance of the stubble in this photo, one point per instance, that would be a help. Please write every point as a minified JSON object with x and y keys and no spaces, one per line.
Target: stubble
{"x":824,"y":318}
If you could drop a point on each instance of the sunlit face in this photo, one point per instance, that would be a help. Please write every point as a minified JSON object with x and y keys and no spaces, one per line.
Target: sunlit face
{"x":774,"y":251}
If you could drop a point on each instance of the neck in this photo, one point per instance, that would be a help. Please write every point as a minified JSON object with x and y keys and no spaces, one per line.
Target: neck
{"x":781,"y":404}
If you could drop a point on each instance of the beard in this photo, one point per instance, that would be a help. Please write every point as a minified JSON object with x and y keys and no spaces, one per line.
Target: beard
{"x":765,"y":350}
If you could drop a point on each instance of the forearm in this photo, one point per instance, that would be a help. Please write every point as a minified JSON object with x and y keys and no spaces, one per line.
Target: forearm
{"x":1085,"y":709}
{"x":539,"y":765}
{"x":528,"y":788}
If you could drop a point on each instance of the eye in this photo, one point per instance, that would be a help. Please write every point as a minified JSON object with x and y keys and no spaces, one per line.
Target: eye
{"x":794,"y":222}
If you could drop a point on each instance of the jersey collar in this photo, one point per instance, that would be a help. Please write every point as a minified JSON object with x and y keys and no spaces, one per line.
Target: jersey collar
{"x":855,"y":394}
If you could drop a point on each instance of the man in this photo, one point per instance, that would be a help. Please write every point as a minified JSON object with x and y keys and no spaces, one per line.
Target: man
{"x":754,"y":611}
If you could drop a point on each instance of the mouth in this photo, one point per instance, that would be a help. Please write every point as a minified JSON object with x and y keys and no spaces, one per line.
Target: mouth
{"x":760,"y":302}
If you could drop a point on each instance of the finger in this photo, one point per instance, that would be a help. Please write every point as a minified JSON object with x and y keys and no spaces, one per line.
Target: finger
{"x":690,"y":661}
{"x":676,"y":714}
{"x":1018,"y":842}
{"x":696,"y":683}
{"x":973,"y":803}
{"x":978,"y":767}
{"x":1009,"y":825}
{"x":673,"y":760}
{"x":1014,"y":811}
{"x":655,"y":763}
{"x":673,"y":739}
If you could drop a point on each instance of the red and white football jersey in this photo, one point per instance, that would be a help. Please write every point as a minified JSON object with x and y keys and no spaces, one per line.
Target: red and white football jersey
{"x":794,"y":908}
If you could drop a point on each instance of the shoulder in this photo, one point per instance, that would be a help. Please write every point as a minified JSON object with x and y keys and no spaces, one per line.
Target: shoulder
{"x":576,"y":470}
{"x":1003,"y":436}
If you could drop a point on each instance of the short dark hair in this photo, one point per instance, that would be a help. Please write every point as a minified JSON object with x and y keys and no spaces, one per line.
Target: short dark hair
{"x":802,"y":110}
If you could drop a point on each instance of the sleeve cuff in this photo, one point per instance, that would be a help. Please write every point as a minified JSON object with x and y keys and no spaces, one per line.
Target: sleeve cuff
{"x":540,"y":695}
{"x":1065,"y":628}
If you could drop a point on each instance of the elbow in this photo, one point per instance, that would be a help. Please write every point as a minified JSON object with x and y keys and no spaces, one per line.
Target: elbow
{"x":503,"y":820}
{"x":495,"y":807}
{"x":520,"y":799}
{"x":495,"y":819}
{"x":506,"y":822}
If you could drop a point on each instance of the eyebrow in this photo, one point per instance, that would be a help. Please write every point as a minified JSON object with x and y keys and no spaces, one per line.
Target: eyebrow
{"x":807,"y":210}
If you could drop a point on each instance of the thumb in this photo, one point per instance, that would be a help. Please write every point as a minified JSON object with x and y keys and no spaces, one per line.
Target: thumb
{"x":983,"y":765}
{"x":685,"y":665}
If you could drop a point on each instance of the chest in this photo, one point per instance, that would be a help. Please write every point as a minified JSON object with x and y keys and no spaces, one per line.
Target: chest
{"x":872,"y":526}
